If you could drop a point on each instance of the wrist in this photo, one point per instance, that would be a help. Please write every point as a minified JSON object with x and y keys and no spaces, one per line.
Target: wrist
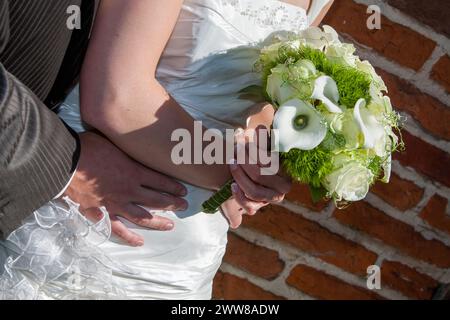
{"x":75,"y":160}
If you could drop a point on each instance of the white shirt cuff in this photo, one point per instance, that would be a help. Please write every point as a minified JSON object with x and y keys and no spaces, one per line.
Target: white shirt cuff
{"x":67,"y":185}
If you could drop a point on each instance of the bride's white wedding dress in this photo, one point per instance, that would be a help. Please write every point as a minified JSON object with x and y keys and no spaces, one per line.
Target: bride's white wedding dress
{"x":57,"y":254}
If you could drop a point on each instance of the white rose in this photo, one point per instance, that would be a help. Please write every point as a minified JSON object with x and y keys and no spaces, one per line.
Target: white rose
{"x":367,"y":68}
{"x":331,"y":34}
{"x":280,"y":90}
{"x":270,"y":53}
{"x":350,"y":181}
{"x":277,"y":87}
{"x":317,"y":38}
{"x":342,"y":54}
{"x":345,"y":124}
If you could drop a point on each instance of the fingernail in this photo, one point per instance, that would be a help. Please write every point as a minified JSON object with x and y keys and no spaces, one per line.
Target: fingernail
{"x":238,"y":132}
{"x":140,"y":243}
{"x":184,"y":206}
{"x":183,"y":192}
{"x":234,"y":188}
{"x":170,"y":226}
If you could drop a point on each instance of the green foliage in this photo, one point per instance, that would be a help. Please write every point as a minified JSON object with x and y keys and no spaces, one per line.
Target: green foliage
{"x":318,"y":194}
{"x":309,"y":167}
{"x":376,"y":165}
{"x":352,"y":83}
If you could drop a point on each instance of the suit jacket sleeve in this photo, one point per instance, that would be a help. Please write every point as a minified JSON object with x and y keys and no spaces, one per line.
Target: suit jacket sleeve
{"x":38,"y":153}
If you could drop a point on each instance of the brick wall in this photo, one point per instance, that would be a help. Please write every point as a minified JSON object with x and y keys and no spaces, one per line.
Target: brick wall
{"x":301,"y":250}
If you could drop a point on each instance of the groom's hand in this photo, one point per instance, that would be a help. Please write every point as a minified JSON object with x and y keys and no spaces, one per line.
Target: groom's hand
{"x":107,"y":177}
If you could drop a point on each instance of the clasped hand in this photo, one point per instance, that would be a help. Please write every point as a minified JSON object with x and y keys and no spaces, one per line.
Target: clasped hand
{"x":254,"y":187}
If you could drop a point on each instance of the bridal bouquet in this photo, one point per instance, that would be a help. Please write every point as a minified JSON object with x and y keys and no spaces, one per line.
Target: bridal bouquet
{"x":333,"y":126}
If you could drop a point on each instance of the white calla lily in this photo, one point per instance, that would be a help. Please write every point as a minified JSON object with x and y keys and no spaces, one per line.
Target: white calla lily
{"x":326,"y":90}
{"x":387,"y":167}
{"x":298,"y":125}
{"x":375,"y":136}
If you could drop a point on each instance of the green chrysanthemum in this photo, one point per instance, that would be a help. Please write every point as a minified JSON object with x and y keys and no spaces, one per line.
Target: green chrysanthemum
{"x":376,"y":166}
{"x":352,"y":84}
{"x":309,"y":167}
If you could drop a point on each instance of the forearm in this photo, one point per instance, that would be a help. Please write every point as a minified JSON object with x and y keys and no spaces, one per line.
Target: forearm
{"x":141,"y":120}
{"x":322,"y":14}
{"x":121,"y":97}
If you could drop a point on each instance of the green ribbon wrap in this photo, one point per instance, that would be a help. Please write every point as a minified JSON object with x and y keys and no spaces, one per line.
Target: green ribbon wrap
{"x":212,"y":205}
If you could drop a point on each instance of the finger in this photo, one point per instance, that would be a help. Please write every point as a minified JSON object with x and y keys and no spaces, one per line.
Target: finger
{"x":262,"y":137}
{"x":250,"y":207}
{"x":251,"y":190}
{"x":93,"y":214}
{"x":274,"y":182}
{"x":258,"y":158}
{"x":234,"y":218}
{"x":122,"y":232}
{"x":159,"y":201}
{"x":262,"y":115}
{"x":157,"y":181}
{"x":235,"y":221}
{"x":143,"y":218}
{"x":258,"y":141}
{"x":117,"y":227}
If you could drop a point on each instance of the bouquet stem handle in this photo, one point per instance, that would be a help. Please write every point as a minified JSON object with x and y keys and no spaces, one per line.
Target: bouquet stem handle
{"x":213,"y":204}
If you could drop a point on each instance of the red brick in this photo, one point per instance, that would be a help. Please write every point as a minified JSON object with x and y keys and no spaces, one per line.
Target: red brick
{"x":312,"y":238}
{"x":255,"y":259}
{"x":399,"y":193}
{"x":393,"y":41}
{"x":430,"y":113}
{"x":435,"y":214}
{"x":425,"y":158}
{"x":407,"y":281}
{"x":230,"y":287}
{"x":362,"y":216}
{"x":432,"y":13}
{"x":301,"y":195}
{"x":441,"y":72}
{"x":326,"y":287}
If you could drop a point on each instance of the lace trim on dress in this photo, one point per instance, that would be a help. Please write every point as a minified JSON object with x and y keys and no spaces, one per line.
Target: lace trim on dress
{"x":57,"y":256}
{"x":282,"y":16}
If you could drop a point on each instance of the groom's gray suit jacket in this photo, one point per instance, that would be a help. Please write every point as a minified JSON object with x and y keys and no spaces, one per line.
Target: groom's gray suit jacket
{"x":40,"y":59}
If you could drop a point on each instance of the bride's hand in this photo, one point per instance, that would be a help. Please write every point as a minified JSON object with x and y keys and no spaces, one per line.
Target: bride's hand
{"x":254,"y":188}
